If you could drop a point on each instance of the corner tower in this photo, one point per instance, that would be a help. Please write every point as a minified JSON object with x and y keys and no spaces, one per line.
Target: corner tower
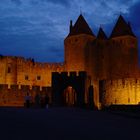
{"x":76,"y":45}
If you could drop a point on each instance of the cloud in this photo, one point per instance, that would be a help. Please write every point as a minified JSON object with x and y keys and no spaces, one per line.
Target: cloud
{"x":134,"y":18}
{"x":17,"y":2}
{"x":63,"y":2}
{"x":54,"y":2}
{"x":36,"y":46}
{"x":37,"y":28}
{"x":134,"y":15}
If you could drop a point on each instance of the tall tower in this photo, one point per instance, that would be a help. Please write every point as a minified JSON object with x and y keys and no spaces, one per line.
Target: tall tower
{"x":76,"y":48}
{"x":124,"y":50}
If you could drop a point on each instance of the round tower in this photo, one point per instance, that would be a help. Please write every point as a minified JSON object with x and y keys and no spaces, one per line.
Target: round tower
{"x":76,"y":48}
{"x":125,"y":41}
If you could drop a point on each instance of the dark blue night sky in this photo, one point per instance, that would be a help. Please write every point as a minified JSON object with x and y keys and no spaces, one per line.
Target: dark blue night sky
{"x":37,"y":28}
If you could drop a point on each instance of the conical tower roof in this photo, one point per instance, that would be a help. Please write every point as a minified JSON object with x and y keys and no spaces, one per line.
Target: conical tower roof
{"x":121,"y":28}
{"x":80,"y":27}
{"x":101,"y":34}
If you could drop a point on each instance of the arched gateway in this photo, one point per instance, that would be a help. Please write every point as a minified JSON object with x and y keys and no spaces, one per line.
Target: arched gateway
{"x":69,"y":96}
{"x":68,"y":90}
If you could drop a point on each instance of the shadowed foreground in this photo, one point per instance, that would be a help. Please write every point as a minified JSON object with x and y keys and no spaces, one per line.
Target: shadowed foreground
{"x":66,"y":124}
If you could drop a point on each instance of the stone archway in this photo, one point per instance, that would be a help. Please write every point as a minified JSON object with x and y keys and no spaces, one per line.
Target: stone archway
{"x":69,"y":96}
{"x":62,"y":83}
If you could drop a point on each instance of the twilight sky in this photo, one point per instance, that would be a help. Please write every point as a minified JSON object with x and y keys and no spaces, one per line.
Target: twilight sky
{"x":37,"y":28}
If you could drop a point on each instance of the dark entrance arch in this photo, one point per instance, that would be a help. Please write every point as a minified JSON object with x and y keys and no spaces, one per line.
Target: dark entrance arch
{"x":69,"y":96}
{"x":63,"y":82}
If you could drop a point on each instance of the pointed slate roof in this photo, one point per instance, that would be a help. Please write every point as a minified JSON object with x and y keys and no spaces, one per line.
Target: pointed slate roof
{"x":101,"y":34}
{"x":121,"y":28}
{"x":81,"y":27}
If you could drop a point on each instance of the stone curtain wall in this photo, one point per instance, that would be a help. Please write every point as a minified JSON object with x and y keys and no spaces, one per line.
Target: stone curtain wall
{"x":14,"y":70}
{"x":121,"y":91}
{"x":14,"y":95}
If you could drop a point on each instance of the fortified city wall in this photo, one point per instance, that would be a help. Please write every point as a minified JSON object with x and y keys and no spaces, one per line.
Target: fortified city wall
{"x":21,"y":71}
{"x":14,"y":95}
{"x":120,"y":92}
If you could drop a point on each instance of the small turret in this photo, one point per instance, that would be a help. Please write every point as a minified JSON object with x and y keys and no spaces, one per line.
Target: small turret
{"x":101,"y":34}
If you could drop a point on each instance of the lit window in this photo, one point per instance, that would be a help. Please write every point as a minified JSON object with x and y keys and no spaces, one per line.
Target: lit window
{"x":38,"y":77}
{"x":26,"y":77}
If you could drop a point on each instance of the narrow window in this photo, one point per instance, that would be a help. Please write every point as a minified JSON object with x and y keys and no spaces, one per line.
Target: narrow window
{"x":26,"y":77}
{"x":123,"y":81}
{"x":128,"y":100}
{"x":38,"y":77}
{"x":111,"y":82}
{"x":9,"y":70}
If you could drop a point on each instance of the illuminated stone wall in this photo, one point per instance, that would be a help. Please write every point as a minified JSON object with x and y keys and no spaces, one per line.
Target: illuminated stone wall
{"x":113,"y":58}
{"x":14,"y":95}
{"x":76,"y":51}
{"x":121,"y":91}
{"x":20,"y":71}
{"x":123,"y":57}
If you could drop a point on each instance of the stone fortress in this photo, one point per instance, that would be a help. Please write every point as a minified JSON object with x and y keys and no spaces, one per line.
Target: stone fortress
{"x":97,"y":70}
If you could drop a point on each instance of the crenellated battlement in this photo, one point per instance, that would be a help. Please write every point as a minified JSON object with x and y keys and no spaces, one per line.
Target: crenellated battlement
{"x":120,"y":91}
{"x":23,"y":87}
{"x":73,"y":74}
{"x":22,"y":60}
{"x":18,"y":70}
{"x":14,"y":95}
